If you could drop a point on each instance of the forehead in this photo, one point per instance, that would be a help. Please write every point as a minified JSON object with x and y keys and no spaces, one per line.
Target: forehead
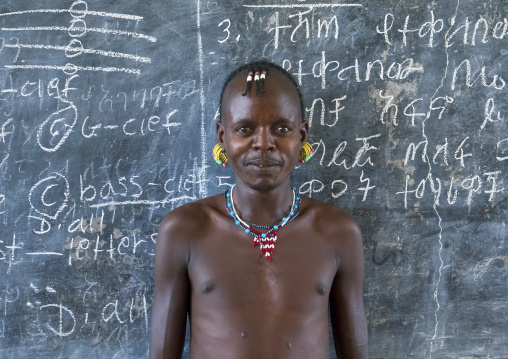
{"x":280,"y":94}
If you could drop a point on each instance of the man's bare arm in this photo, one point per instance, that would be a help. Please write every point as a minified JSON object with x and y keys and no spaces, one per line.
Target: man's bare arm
{"x":349,"y":323}
{"x":171,"y":299}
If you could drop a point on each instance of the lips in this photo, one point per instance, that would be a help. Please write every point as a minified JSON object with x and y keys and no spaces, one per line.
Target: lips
{"x":263,"y":163}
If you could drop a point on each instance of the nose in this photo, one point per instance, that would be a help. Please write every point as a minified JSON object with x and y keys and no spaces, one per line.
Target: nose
{"x":263,"y":140}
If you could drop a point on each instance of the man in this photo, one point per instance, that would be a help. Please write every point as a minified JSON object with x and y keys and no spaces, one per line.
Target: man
{"x":245,"y":304}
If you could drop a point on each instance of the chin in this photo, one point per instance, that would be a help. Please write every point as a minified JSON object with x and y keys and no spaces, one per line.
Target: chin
{"x":264,"y":182}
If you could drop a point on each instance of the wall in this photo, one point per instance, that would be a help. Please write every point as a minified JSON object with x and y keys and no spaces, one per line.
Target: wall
{"x":107,"y":121}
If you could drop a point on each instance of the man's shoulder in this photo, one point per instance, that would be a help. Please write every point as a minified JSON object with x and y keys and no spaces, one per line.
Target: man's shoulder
{"x":331,"y":220}
{"x":338,"y":229}
{"x":190,"y":219}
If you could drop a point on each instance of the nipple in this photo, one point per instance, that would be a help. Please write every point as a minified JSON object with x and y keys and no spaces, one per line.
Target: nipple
{"x":321,"y":289}
{"x":206,"y":287}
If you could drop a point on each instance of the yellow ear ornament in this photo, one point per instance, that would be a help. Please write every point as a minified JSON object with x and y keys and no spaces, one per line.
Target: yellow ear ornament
{"x":306,"y":152}
{"x":219,"y":155}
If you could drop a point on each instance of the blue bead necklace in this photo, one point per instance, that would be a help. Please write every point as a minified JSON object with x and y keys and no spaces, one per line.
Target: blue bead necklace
{"x":265,"y":240}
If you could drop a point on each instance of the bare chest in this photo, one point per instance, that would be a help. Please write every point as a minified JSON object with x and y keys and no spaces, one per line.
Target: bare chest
{"x":229,"y":268}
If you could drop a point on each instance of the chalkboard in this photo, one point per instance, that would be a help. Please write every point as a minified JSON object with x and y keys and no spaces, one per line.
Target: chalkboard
{"x":107,"y":122}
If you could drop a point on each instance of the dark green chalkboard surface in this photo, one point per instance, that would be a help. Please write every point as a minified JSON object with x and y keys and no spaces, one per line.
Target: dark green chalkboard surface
{"x":107,"y":122}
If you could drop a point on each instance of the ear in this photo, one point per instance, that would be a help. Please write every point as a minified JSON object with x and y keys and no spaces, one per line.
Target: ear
{"x":220,"y":133}
{"x":304,"y":131}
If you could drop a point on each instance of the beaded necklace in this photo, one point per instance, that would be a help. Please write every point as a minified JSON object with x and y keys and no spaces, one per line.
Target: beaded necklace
{"x":266,"y":240}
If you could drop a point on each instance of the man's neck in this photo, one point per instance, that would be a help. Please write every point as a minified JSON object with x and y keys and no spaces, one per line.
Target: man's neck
{"x":265,"y":208}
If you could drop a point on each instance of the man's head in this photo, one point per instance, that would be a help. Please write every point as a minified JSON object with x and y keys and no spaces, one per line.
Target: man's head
{"x":261,"y":128}
{"x":260,"y":66}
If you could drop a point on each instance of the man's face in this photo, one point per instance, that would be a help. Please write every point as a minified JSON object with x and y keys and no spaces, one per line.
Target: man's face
{"x":262,"y":134}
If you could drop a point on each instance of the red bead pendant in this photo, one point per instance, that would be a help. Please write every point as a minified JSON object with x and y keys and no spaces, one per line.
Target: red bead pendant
{"x":267,"y":244}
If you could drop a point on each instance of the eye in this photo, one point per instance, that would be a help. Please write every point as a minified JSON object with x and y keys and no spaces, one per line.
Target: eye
{"x":243,"y":129}
{"x":283,"y":129}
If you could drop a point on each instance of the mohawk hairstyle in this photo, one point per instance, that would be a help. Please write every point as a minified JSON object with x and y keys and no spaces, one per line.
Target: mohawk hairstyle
{"x":259,"y":67}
